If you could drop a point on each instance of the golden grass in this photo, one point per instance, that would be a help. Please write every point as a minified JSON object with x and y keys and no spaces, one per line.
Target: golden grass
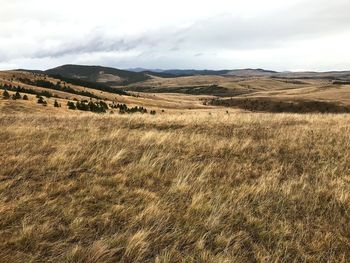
{"x":175,"y":188}
{"x":280,"y":89}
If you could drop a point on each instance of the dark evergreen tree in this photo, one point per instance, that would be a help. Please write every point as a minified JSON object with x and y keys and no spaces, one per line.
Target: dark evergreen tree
{"x":17,"y":96}
{"x":6,"y":95}
{"x":82,"y":106}
{"x":42,"y":101}
{"x":71,"y":105}
{"x":104,"y":105}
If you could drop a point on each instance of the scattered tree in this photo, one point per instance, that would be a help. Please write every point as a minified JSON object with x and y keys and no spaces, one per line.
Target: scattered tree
{"x":123,"y":108}
{"x":42,"y":101}
{"x":71,"y":105}
{"x":6,"y":95}
{"x":16,"y":96}
{"x":56,"y":104}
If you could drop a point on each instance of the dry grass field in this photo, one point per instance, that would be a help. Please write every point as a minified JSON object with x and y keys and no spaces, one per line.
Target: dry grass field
{"x":275,"y":89}
{"x":238,"y":187}
{"x":197,"y":182}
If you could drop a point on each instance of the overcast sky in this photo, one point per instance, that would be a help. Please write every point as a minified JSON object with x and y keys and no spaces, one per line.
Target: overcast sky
{"x":219,"y":34}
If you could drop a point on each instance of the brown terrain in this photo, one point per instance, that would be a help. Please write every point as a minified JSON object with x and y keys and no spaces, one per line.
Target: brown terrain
{"x":240,"y":167}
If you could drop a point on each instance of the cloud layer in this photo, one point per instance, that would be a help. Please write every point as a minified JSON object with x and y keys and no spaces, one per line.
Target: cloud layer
{"x":280,"y":35}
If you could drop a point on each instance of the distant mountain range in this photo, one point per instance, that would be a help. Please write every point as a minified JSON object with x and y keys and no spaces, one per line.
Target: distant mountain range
{"x":117,"y":77}
{"x":193,"y":72}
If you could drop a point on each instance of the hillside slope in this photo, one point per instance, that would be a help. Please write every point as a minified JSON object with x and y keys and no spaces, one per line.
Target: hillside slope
{"x":278,"y":91}
{"x":107,"y":75}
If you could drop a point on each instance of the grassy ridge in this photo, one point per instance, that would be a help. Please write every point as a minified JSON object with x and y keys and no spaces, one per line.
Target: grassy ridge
{"x":189,"y":188}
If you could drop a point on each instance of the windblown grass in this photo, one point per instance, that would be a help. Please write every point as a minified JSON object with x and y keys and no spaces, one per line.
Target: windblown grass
{"x":176,"y":188}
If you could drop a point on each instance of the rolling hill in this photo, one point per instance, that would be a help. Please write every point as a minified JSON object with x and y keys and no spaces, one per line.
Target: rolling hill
{"x":205,"y":72}
{"x":107,"y":75}
{"x":247,"y":89}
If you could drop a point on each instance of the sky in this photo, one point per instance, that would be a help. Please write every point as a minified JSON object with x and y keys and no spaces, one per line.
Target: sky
{"x":184,"y":34}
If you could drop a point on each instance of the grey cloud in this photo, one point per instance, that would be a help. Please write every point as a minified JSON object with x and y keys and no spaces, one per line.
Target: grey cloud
{"x":219,"y":32}
{"x":270,"y":30}
{"x":198,"y":41}
{"x":96,"y":44}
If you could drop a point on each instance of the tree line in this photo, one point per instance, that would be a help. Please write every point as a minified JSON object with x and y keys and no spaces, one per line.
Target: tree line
{"x":91,"y":85}
{"x":83,"y":105}
{"x":26,"y":90}
{"x":17,"y":96}
{"x":58,"y":86}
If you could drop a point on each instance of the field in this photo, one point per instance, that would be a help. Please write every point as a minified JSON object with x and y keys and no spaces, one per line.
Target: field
{"x":191,"y":187}
{"x":252,"y":87}
{"x":155,"y":101}
{"x":211,"y":175}
{"x":325,"y":93}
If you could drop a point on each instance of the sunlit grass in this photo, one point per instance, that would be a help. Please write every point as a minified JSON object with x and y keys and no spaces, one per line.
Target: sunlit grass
{"x":175,"y":188}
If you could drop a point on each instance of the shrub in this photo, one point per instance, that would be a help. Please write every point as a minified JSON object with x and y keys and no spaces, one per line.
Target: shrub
{"x":56,"y":104}
{"x":82,"y":106}
{"x":16,"y":96}
{"x":104,"y":105}
{"x":99,"y":107}
{"x":124,"y":109}
{"x":42,"y":101}
{"x":153,"y":112}
{"x":6,"y":95}
{"x":71,"y":105}
{"x":29,"y":91}
{"x":25,"y":97}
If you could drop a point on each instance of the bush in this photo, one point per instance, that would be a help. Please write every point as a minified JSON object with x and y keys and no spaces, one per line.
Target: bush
{"x":124,"y":109}
{"x":104,"y":105}
{"x":6,"y":95}
{"x":29,"y":91}
{"x":25,"y":97}
{"x":56,"y":104}
{"x":82,"y":106}
{"x":99,"y":107}
{"x":71,"y":105}
{"x":153,"y":112}
{"x":16,"y":96}
{"x":42,"y":101}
